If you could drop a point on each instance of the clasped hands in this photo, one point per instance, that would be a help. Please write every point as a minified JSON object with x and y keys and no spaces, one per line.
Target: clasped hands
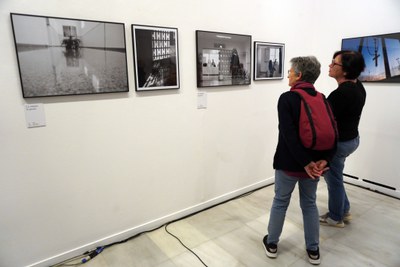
{"x":316,"y":169}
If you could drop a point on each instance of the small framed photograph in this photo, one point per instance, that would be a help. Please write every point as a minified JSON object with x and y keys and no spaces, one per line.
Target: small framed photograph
{"x":223,"y":59}
{"x":62,"y":56}
{"x":268,"y":61}
{"x":381,"y":54}
{"x":156,"y":57}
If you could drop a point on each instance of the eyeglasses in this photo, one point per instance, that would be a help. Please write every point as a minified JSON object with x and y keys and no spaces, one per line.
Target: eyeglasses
{"x":334,"y":63}
{"x":289,"y":71}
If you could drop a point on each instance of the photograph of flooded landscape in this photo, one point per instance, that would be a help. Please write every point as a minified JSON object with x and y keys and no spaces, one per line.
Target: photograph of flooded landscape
{"x":60,"y":56}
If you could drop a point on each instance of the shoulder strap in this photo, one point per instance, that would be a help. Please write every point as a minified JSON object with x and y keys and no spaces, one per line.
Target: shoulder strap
{"x":331,"y":117}
{"x":303,"y":94}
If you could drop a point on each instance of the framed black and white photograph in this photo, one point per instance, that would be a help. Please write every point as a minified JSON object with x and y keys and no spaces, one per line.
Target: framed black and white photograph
{"x":63,"y":56}
{"x":223,"y":59}
{"x":381,"y":54}
{"x":268,"y":61}
{"x":156,"y":57}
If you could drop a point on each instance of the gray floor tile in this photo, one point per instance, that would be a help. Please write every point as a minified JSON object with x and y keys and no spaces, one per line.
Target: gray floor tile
{"x":230,"y":235}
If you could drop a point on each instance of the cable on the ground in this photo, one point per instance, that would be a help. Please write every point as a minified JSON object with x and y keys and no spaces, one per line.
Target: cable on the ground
{"x":191,"y":251}
{"x":89,"y":255}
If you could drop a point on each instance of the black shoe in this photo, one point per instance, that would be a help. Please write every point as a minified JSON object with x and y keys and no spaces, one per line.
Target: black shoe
{"x":270,"y":249}
{"x":313,"y":257}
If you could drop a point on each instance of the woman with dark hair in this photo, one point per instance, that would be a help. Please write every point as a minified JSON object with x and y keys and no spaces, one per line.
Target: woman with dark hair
{"x":347,"y":103}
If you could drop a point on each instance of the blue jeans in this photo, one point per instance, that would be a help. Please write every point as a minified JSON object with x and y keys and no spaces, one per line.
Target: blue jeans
{"x":284,"y":185}
{"x":338,"y":202}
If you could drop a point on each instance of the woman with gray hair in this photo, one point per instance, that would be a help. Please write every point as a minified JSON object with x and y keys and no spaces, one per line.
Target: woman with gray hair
{"x":294,"y":163}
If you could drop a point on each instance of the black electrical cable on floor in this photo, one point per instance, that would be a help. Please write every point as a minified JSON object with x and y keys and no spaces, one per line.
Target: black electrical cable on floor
{"x":89,"y":255}
{"x":191,"y":251}
{"x":71,"y":264}
{"x":65,"y":263}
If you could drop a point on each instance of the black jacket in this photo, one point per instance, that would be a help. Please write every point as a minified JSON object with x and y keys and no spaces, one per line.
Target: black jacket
{"x":290,"y":154}
{"x":347,"y":103}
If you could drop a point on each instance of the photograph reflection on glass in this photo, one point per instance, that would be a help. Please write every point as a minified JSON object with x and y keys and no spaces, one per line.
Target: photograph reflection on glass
{"x":59,"y":56}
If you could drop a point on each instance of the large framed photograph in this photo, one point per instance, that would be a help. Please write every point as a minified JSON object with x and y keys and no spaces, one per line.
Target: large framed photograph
{"x":223,"y":59}
{"x":381,"y":54}
{"x":62,"y":56}
{"x":156,"y":57}
{"x":268,"y":61}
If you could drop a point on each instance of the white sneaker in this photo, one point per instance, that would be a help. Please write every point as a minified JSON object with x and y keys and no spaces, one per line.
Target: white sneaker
{"x":347,"y":217}
{"x":326,"y":220}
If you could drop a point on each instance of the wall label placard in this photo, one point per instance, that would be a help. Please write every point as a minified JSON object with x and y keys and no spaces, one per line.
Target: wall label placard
{"x":34,"y":114}
{"x":201,"y":100}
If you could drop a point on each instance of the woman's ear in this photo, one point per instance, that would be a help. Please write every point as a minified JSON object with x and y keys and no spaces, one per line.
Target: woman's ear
{"x":299,"y":75}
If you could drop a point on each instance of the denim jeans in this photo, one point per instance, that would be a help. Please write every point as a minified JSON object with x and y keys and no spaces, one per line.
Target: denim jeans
{"x":284,"y":186}
{"x":338,"y":202}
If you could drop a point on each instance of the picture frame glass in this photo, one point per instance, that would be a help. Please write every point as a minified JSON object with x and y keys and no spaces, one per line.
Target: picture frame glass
{"x":268,"y":61}
{"x":62,"y":56}
{"x":381,"y":55}
{"x":156,"y":57}
{"x":223,"y":59}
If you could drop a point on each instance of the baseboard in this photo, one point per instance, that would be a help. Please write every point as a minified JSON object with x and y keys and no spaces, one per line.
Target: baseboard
{"x":151,"y":224}
{"x":373,"y":186}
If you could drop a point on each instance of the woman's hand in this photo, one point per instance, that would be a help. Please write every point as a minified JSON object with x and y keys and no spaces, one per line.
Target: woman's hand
{"x":321,"y":165}
{"x":316,"y":169}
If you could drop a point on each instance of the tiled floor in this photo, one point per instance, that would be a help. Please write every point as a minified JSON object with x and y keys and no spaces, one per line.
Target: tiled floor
{"x":229,"y":235}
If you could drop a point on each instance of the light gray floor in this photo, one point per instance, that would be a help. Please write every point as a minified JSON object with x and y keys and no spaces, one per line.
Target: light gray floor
{"x":230,"y":235}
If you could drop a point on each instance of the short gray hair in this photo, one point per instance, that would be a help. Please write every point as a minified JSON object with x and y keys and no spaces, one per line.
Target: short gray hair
{"x":309,"y":67}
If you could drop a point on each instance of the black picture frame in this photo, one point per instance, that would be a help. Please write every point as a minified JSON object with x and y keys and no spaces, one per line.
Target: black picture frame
{"x":156,"y":57}
{"x":223,"y":59}
{"x":65,"y":56}
{"x":269,"y":61}
{"x":381,"y":54}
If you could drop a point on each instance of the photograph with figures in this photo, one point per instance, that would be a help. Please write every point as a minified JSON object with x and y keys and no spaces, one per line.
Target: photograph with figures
{"x":223,"y":59}
{"x":60,"y":56}
{"x":268,"y":61}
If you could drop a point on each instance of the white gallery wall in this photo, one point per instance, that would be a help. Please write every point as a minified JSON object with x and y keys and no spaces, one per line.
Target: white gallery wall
{"x":106,"y":167}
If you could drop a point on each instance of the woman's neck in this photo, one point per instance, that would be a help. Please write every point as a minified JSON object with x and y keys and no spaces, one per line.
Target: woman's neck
{"x":342,"y":80}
